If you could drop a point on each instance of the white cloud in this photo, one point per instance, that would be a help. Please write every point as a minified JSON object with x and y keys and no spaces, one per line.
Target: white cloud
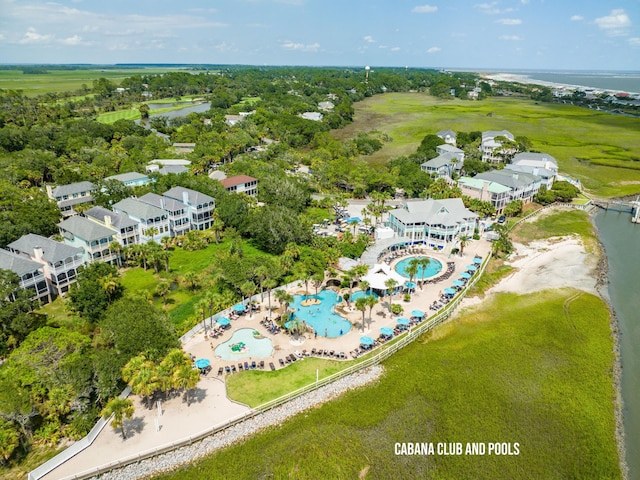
{"x":634,"y":41}
{"x":425,"y":9}
{"x":511,"y":38}
{"x":31,"y":36}
{"x":368,"y":39}
{"x":395,"y":49}
{"x":301,"y":47}
{"x":492,"y":8}
{"x":434,"y":50}
{"x":73,"y":40}
{"x":616,"y":23}
{"x":576,"y":18}
{"x":509,"y":21}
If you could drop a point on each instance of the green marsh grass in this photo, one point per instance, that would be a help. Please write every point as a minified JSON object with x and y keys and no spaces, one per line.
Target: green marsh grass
{"x":533,"y":369}
{"x":558,"y":224}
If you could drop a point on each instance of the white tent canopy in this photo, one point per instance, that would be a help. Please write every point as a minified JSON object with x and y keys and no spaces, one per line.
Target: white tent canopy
{"x":379,"y":274}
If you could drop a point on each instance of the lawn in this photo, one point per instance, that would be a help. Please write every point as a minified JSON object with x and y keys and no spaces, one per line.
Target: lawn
{"x":557,"y":224}
{"x":532,"y":369}
{"x":600,"y":149}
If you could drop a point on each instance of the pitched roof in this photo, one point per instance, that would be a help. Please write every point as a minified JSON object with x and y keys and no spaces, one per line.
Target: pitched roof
{"x":52,"y":251}
{"x":165,"y":203}
{"x":439,"y":161}
{"x":444,"y":133}
{"x":539,"y":171}
{"x":118,"y":220}
{"x":508,"y":178}
{"x":479,"y":184}
{"x":193,"y":197}
{"x":72,"y":188}
{"x":128,"y":177}
{"x":542,"y":158}
{"x":17,"y":264}
{"x":86,"y":229}
{"x":135,"y":208}
{"x":177,"y":169}
{"x":449,"y":148}
{"x":491,"y":134}
{"x":75,"y":201}
{"x":237,"y":180}
{"x":449,"y":212}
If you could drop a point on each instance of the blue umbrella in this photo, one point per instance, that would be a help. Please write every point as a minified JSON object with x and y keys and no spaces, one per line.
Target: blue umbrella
{"x":367,"y":341}
{"x":472,"y":268}
{"x":417,"y":313}
{"x":202,"y":363}
{"x":449,"y":291}
{"x":223,"y":321}
{"x":239,"y":307}
{"x":410,"y":284}
{"x":465,"y":275}
{"x":403,"y":321}
{"x":477,"y":260}
{"x":386,"y":331}
{"x":458,"y":283}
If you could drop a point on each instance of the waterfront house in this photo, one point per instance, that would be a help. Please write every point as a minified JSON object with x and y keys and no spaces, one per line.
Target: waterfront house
{"x":200,"y":206}
{"x":492,"y":148}
{"x":241,"y":184}
{"x":541,"y":164}
{"x":30,"y":273}
{"x":523,"y":186}
{"x":437,"y":223}
{"x":449,"y":136}
{"x":60,"y":261}
{"x":178,"y":212}
{"x":94,"y":239}
{"x":71,"y":195}
{"x":126,"y":230}
{"x":495,"y":193}
{"x":153,"y":221}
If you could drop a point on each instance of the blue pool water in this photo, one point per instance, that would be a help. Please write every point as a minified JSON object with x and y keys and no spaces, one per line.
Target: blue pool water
{"x":360,"y":293}
{"x":243,"y":344}
{"x":434,"y":268}
{"x":321,"y":317}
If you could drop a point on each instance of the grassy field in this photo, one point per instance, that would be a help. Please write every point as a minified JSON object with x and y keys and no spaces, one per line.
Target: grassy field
{"x":602,"y":150}
{"x":66,"y":80}
{"x":532,"y":369}
{"x":557,"y":224}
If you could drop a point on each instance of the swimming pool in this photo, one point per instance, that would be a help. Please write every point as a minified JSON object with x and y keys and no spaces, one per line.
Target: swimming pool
{"x":321,"y":317}
{"x":243,"y":343}
{"x":434,"y":268}
{"x":360,"y":293}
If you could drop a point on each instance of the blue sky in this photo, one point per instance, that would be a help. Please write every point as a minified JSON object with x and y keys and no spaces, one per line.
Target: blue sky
{"x":500,"y":34}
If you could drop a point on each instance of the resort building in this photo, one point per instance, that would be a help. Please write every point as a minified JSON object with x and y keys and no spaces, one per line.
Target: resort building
{"x":437,"y":223}
{"x":94,"y":239}
{"x":540,"y":164}
{"x":487,"y":191}
{"x":241,"y":184}
{"x":522,"y":186}
{"x":153,"y":221}
{"x":200,"y":206}
{"x":131,"y":179}
{"x":31,"y":275}
{"x":68,"y":196}
{"x":492,"y":148}
{"x":178,"y":212}
{"x":449,"y":136}
{"x":60,"y":261}
{"x":126,"y":230}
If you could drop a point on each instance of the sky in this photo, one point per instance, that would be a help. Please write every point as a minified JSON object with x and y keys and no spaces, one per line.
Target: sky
{"x":480,"y":34}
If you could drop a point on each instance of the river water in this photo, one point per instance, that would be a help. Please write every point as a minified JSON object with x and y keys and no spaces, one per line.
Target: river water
{"x":621,"y":239}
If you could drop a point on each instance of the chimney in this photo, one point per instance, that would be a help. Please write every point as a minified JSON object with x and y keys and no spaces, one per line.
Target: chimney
{"x":485,"y":189}
{"x":107,"y":220}
{"x":162,"y":203}
{"x":515,"y":176}
{"x":185,"y":198}
{"x":38,"y":253}
{"x":536,"y":172}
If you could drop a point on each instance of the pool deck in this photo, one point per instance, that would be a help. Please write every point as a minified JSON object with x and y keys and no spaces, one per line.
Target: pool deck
{"x":211,"y":406}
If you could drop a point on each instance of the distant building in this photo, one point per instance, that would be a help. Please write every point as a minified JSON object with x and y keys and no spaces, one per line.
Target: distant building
{"x":540,"y":164}
{"x":491,"y":145}
{"x":314,"y":116}
{"x":184,"y":147}
{"x":241,"y":184}
{"x":522,"y":186}
{"x":232,"y":120}
{"x":164,"y":167}
{"x":200,"y":206}
{"x":449,"y":160}
{"x":326,"y":106}
{"x":60,"y":261}
{"x":92,"y":237}
{"x":449,"y":136}
{"x":153,"y":221}
{"x":68,"y":196}
{"x":31,"y":275}
{"x":126,"y":230}
{"x":131,"y":179}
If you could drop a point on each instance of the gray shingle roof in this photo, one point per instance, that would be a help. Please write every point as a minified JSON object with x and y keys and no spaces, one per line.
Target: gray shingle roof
{"x":541,"y":172}
{"x":118,"y":220}
{"x":128,"y":177}
{"x":85,"y":228}
{"x":75,"y":201}
{"x":444,"y":133}
{"x":195,"y":198}
{"x":508,"y":178}
{"x":449,"y":212}
{"x":52,"y":251}
{"x":497,"y":133}
{"x":532,"y":156}
{"x":170,"y":204}
{"x":137,"y":209}
{"x":17,"y":264}
{"x":439,"y":161}
{"x":72,"y":188}
{"x":177,"y":169}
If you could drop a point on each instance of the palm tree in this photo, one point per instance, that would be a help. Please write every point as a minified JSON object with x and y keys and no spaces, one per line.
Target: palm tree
{"x":248,"y":289}
{"x":217,"y":226}
{"x":413,"y":267}
{"x":121,"y":409}
{"x":151,"y":232}
{"x":186,"y":377}
{"x":424,"y":264}
{"x":372,"y":301}
{"x":262,"y":272}
{"x":364,"y":286}
{"x":191,"y":279}
{"x":361,"y":304}
{"x":269,"y":284}
{"x":317,"y":280}
{"x":162,"y":290}
{"x":391,"y":284}
{"x":110,"y":284}
{"x":202,"y":307}
{"x":464,"y":241}
{"x":116,"y":248}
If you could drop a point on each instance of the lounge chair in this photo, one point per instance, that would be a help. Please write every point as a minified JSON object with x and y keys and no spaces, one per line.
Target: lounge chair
{"x":292,"y":357}
{"x":261,"y":363}
{"x":272,"y":366}
{"x":227,"y":369}
{"x":220,"y":371}
{"x":233,"y":368}
{"x":253,"y":365}
{"x":246,"y":366}
{"x":281,"y":362}
{"x":313,"y":351}
{"x":239,"y":367}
